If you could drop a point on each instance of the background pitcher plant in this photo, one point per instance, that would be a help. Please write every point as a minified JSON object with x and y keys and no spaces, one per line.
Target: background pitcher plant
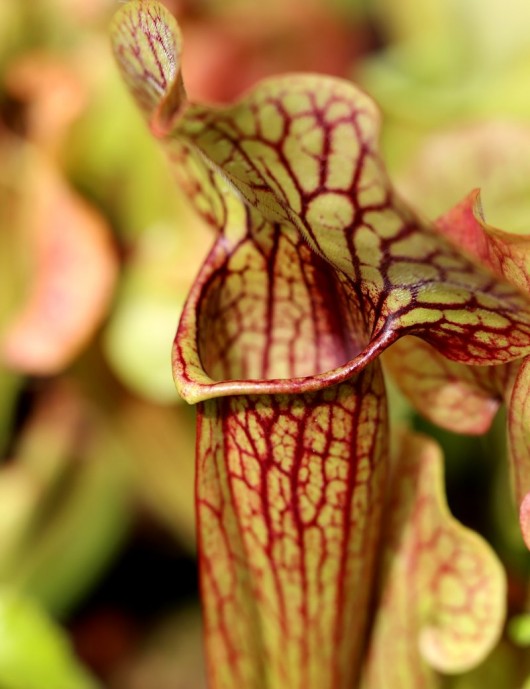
{"x":316,"y":548}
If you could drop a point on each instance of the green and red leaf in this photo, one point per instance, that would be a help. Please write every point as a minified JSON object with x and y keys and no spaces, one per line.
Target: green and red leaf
{"x":289,"y":503}
{"x":290,"y":487}
{"x":317,"y":268}
{"x":506,"y":253}
{"x":442,"y":599}
{"x":463,"y":399}
{"x":518,"y":402}
{"x":147,"y":45}
{"x":266,"y":314}
{"x":301,"y":150}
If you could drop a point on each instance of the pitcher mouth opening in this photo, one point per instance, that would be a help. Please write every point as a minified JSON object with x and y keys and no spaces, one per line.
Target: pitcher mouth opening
{"x":194,"y":385}
{"x":254,"y":325}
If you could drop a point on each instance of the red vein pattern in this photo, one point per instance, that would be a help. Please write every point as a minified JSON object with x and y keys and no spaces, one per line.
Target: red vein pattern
{"x":465,"y":399}
{"x":146,"y":43}
{"x":289,"y":499}
{"x":442,"y":594}
{"x":316,"y":269}
{"x":505,"y":253}
{"x":289,"y":487}
{"x":268,"y":311}
{"x":518,"y":402}
{"x":320,"y":174}
{"x":301,"y":150}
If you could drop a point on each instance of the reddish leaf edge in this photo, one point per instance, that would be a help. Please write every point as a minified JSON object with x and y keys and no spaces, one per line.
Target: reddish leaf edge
{"x":195,"y":385}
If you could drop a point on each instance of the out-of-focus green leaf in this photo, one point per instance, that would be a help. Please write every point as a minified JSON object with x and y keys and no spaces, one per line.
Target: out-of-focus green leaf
{"x":65,"y":502}
{"x":83,"y":533}
{"x":10,"y":29}
{"x":131,"y":182}
{"x":154,"y":286}
{"x":448,"y":61}
{"x":138,"y":343}
{"x":98,"y":508}
{"x":519,"y":629}
{"x":485,"y":31}
{"x":34,"y":652}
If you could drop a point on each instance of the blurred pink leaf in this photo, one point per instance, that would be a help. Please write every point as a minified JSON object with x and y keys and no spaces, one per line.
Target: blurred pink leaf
{"x":72,"y":280}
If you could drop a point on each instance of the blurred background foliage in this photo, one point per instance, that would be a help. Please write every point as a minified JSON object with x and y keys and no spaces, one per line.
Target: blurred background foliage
{"x":97,"y":252}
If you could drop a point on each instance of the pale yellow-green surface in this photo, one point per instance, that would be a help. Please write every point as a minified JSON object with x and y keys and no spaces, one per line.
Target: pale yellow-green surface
{"x":281,"y":537}
{"x":27,"y":632}
{"x":442,"y":599}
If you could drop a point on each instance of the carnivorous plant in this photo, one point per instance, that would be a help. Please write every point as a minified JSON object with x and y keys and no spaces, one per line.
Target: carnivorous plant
{"x":325,"y":563}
